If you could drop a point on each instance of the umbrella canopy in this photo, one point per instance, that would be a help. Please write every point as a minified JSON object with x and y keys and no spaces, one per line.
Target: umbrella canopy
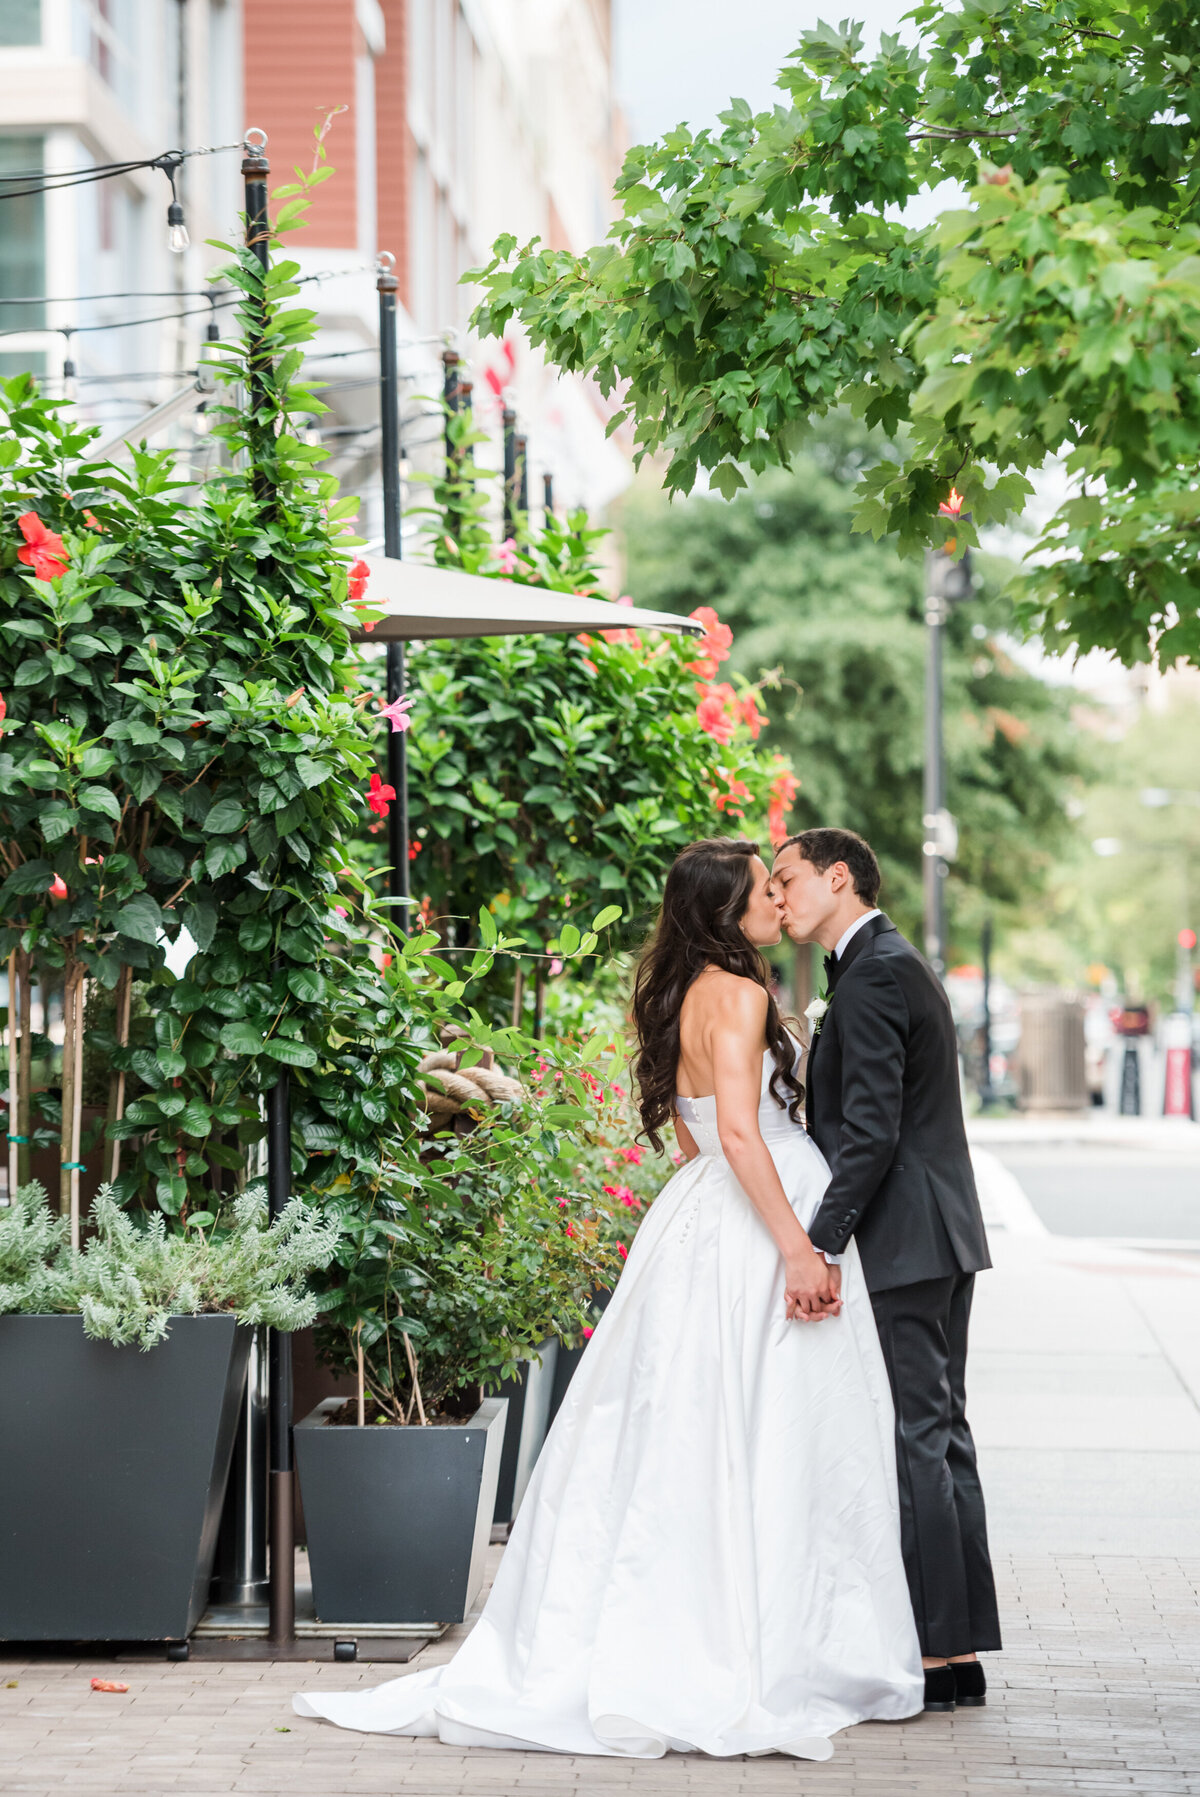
{"x":438,"y":602}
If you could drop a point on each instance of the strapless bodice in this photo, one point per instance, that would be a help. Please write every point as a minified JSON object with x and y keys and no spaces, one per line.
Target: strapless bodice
{"x":700,"y":1114}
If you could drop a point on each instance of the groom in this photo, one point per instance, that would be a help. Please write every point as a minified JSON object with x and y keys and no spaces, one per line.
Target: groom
{"x":884,"y":1106}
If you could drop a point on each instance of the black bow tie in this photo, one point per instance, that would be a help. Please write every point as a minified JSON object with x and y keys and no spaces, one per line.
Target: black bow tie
{"x":831,"y":966}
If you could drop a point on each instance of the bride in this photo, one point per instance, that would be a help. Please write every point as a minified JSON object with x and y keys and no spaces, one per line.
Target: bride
{"x":708,"y":1554}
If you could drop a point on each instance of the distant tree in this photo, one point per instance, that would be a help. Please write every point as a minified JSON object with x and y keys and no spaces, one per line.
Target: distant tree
{"x":842,"y":619}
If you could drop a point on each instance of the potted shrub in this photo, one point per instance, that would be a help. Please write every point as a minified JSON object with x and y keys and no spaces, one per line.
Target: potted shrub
{"x":435,"y":1301}
{"x":124,"y":1365}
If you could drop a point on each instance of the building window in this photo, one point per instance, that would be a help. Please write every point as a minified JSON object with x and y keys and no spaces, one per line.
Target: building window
{"x":20,"y":23}
{"x":23,"y":240}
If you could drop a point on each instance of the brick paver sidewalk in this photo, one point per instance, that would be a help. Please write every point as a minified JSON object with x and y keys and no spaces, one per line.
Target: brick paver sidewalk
{"x":1098,"y":1692}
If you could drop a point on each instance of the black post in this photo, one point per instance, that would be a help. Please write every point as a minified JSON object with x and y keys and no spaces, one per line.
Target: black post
{"x":986,"y":1095}
{"x":389,"y":412}
{"x":451,"y":391}
{"x":510,"y":472}
{"x":548,"y":495}
{"x":282,"y":1588}
{"x":522,"y":449}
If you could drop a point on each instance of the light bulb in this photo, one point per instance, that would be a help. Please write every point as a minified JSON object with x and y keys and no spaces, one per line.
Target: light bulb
{"x":177,"y":232}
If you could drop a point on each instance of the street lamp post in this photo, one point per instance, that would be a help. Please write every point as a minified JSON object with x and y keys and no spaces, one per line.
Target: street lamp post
{"x":946,"y":582}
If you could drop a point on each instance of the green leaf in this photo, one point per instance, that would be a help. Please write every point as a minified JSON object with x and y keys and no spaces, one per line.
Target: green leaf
{"x":98,"y":798}
{"x":290,"y":1053}
{"x":241,"y":1038}
{"x":487,"y":927}
{"x":307,"y":984}
{"x":140,"y":918}
{"x":224,"y":816}
{"x":602,"y":919}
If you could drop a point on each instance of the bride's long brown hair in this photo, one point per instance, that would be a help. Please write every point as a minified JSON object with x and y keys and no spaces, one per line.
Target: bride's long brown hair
{"x":699,"y":926}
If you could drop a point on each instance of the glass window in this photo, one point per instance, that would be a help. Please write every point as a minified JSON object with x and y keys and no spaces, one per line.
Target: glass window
{"x":23,"y":240}
{"x":20,"y":22}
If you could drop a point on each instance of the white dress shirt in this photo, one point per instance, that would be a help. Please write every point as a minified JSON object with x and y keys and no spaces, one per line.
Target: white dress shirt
{"x":855,"y":927}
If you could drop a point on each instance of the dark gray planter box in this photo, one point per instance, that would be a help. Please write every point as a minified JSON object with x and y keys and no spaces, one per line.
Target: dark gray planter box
{"x":529,"y":1412}
{"x":398,"y":1519}
{"x":112,"y":1476}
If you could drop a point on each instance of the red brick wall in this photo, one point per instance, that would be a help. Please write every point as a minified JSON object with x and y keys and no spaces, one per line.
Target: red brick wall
{"x":299,"y":66}
{"x":393,"y":143}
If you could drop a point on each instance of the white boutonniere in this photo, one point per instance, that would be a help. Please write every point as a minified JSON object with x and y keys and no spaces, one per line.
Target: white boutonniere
{"x":815,"y":1013}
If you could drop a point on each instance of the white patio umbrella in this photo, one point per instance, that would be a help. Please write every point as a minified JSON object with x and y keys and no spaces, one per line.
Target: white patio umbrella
{"x":424,"y":602}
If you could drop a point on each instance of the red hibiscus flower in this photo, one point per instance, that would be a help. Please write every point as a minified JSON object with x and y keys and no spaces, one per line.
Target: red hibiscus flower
{"x":44,"y":549}
{"x":378,"y":796}
{"x":713,"y":718}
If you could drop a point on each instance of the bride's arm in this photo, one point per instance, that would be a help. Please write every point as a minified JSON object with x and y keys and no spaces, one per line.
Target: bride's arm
{"x":736,"y":1041}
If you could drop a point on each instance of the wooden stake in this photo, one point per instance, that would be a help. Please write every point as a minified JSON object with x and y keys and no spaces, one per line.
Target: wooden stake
{"x":67,"y":1083}
{"x":77,"y":1102}
{"x":116,"y":1084}
{"x":412,"y":1370}
{"x":13,"y":1131}
{"x":24,"y":1065}
{"x":362,"y":1392}
{"x":518,"y":996}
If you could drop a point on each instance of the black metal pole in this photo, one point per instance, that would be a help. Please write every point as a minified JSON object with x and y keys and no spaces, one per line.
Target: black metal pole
{"x":548,"y":495}
{"x":522,"y":449}
{"x":282,"y":1586}
{"x":389,"y":412}
{"x":510,"y":472}
{"x":986,"y":1095}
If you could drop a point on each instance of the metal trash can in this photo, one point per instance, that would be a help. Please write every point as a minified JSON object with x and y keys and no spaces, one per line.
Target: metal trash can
{"x":1051,"y":1070}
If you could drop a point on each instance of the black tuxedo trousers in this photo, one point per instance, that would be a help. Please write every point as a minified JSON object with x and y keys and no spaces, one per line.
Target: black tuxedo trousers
{"x":884,"y":1107}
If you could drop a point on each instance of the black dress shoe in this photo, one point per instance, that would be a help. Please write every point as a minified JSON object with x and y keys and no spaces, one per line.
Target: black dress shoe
{"x":940,"y":1687}
{"x":970,"y":1685}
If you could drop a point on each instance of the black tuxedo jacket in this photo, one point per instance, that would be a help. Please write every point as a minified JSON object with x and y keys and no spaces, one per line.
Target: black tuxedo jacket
{"x":884,"y":1107}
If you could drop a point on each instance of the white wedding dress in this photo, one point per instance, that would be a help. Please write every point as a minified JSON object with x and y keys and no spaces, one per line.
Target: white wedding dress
{"x":708,"y":1554}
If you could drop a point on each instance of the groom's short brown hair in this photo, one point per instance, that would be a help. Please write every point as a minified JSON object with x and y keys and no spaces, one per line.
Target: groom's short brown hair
{"x":826,"y":845}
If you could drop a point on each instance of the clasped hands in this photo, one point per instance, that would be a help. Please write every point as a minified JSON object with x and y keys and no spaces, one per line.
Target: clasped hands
{"x":813,"y":1289}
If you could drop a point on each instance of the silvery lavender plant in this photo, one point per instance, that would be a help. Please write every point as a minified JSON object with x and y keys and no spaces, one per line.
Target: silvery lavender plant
{"x":131,"y":1278}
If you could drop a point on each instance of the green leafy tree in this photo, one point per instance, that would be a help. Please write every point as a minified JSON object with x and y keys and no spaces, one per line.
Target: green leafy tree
{"x":760,"y":274}
{"x":842,"y":619}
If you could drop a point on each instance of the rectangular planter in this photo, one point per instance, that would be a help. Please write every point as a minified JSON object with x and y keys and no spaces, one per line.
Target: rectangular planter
{"x":398,"y":1519}
{"x":112,"y":1476}
{"x":529,"y":1412}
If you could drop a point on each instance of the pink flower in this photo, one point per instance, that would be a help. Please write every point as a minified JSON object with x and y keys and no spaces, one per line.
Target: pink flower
{"x":397,"y":712}
{"x":609,"y":1163}
{"x":951,"y":507}
{"x":712,"y":719}
{"x":3,"y":710}
{"x":730,"y":800}
{"x":506,"y":556}
{"x":752,"y":717}
{"x":625,"y":600}
{"x":562,"y":1204}
{"x":378,"y":796}
{"x":571,"y":1231}
{"x":57,"y":887}
{"x":555,"y":967}
{"x":713,"y":645}
{"x":633,"y":1154}
{"x":357,"y":581}
{"x":588,"y":1333}
{"x":44,"y":550}
{"x":623,"y":1251}
{"x":341,"y":911}
{"x":677,"y":1157}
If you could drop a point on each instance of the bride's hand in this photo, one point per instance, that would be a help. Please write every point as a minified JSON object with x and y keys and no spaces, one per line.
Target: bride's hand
{"x":812,"y":1287}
